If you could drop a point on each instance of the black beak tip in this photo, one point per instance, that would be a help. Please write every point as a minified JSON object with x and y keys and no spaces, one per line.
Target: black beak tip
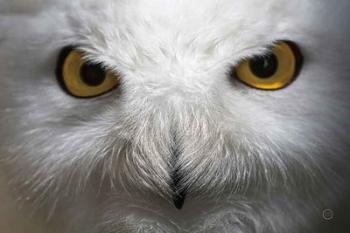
{"x":179,"y":202}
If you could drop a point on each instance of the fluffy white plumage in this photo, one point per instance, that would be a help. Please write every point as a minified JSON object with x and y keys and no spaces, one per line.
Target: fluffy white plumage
{"x":251,"y":161}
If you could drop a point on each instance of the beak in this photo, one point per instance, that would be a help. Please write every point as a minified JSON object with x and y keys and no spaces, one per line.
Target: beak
{"x":179,"y":192}
{"x":179,"y":195}
{"x":179,"y":200}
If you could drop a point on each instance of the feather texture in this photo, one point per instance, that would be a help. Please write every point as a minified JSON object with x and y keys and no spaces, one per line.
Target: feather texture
{"x":250,"y":161}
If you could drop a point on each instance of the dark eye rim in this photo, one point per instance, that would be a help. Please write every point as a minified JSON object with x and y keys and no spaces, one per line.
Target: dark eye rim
{"x":62,"y":56}
{"x":299,"y":58}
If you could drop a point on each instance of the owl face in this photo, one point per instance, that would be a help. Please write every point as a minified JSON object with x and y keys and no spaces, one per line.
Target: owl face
{"x":172,"y":113}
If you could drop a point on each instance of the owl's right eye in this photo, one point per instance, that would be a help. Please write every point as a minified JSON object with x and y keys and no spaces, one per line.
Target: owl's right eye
{"x":81,"y":78}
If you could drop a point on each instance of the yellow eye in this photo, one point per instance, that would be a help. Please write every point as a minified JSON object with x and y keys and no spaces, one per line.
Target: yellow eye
{"x":274,"y":70}
{"x":83,"y":79}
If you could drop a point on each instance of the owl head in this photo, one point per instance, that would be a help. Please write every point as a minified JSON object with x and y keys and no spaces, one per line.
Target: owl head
{"x":177,"y":101}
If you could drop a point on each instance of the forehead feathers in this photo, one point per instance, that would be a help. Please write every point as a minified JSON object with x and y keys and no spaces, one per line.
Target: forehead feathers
{"x":139,"y":35}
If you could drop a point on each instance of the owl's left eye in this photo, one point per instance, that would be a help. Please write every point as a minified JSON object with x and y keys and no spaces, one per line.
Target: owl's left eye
{"x":83,"y":79}
{"x":274,"y":70}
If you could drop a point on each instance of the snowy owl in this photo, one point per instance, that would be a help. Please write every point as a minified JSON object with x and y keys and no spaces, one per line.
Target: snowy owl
{"x":172,"y":116}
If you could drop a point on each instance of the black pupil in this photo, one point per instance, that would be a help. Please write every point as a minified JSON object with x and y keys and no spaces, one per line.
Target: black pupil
{"x":92,"y":74}
{"x":264,"y":67}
